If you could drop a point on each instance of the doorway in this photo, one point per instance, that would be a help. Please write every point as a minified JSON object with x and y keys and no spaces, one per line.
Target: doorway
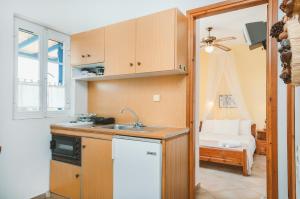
{"x":294,"y":160}
{"x":271,"y":75}
{"x":231,"y":104}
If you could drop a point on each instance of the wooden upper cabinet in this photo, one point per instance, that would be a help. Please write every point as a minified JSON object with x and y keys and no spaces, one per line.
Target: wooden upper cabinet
{"x":97,"y":169}
{"x":65,"y":179}
{"x":77,"y":49}
{"x":152,"y":43}
{"x":155,"y":42}
{"x":120,"y":48}
{"x":87,"y":47}
{"x":181,"y":41}
{"x":157,"y":38}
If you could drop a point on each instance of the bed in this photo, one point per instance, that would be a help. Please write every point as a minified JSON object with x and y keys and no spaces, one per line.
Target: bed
{"x":230,"y":142}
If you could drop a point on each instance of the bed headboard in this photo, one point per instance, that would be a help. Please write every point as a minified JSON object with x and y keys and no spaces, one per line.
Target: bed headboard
{"x":253,"y":129}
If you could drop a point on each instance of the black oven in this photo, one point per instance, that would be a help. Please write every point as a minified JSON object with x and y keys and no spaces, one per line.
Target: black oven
{"x":66,"y":149}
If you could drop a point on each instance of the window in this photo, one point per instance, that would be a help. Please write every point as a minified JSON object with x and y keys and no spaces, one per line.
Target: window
{"x":42,"y":71}
{"x":55,"y":77}
{"x":28,"y":76}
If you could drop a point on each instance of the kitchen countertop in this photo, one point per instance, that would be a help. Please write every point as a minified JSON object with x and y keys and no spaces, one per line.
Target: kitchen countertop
{"x":162,"y":133}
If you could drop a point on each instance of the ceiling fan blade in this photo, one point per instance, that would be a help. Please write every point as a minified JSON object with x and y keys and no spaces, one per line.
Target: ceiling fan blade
{"x":225,"y":39}
{"x":222,"y":47}
{"x":202,"y":45}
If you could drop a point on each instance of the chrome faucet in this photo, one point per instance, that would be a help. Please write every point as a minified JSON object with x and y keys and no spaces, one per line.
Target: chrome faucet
{"x":137,"y":123}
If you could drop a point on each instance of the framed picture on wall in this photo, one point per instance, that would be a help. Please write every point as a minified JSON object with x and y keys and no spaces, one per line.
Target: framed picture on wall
{"x":227,"y":101}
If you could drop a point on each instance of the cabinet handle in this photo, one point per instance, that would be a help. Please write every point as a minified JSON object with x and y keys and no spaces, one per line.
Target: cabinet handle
{"x":130,"y":64}
{"x":77,"y":175}
{"x":82,"y":56}
{"x":83,"y":146}
{"x":139,"y":63}
{"x":88,"y":55}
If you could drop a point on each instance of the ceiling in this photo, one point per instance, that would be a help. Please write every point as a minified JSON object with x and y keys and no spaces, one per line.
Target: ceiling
{"x":232,"y":23}
{"x":72,"y":16}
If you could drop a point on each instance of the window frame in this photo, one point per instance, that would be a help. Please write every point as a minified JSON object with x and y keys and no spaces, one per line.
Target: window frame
{"x":59,"y":37}
{"x":44,"y":35}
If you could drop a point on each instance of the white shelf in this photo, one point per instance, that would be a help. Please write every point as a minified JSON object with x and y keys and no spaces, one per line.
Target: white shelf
{"x":128,"y":76}
{"x":88,"y":66}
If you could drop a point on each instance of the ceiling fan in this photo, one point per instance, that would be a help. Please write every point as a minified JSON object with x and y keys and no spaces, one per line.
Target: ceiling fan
{"x":210,"y":42}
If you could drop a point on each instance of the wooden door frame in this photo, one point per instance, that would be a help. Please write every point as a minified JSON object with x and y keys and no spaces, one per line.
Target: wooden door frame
{"x":272,"y":77}
{"x":291,"y":158}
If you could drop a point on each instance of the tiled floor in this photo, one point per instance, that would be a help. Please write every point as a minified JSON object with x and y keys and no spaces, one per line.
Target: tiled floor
{"x":223,"y":182}
{"x":51,"y":196}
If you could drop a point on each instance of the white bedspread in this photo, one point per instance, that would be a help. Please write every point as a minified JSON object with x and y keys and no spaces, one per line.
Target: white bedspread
{"x":247,"y":142}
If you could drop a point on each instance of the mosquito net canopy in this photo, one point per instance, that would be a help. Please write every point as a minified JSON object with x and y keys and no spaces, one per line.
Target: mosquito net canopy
{"x":223,"y":97}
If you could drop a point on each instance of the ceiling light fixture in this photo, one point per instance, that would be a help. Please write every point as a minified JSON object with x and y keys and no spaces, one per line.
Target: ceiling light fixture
{"x":209,"y":48}
{"x":210,"y":42}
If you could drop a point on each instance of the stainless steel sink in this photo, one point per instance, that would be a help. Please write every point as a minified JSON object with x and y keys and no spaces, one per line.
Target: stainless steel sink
{"x":129,"y":127}
{"x":118,"y":126}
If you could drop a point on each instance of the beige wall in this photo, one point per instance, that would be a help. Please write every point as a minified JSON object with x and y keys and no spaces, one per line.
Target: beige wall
{"x":251,"y":69}
{"x":107,"y":98}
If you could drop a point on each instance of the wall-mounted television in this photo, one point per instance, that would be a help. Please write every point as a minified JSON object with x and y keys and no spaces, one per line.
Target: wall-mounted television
{"x":255,"y":34}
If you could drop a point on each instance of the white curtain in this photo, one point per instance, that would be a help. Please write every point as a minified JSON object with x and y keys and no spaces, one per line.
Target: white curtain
{"x":56,"y":97}
{"x":221,"y":69}
{"x":28,"y":96}
{"x":221,"y":66}
{"x":234,"y":85}
{"x":214,"y":77}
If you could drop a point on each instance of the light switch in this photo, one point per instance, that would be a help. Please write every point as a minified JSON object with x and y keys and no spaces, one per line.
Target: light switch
{"x":156,"y":98}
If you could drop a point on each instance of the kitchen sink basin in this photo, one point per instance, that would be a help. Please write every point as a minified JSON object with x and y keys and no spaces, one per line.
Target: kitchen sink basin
{"x":129,"y":127}
{"x":119,"y":126}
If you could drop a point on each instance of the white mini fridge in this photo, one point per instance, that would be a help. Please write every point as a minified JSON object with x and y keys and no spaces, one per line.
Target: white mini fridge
{"x":137,"y":168}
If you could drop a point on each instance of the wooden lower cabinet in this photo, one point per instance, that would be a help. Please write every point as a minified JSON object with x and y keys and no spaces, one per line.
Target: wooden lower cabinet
{"x":97,"y":169}
{"x":94,"y":179}
{"x":65,"y":179}
{"x":175,"y":168}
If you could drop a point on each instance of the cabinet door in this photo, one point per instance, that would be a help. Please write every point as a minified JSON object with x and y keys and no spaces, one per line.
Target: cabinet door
{"x":78,"y":46}
{"x":87,"y":47}
{"x":97,"y":169}
{"x":120,"y":48}
{"x":94,"y":42}
{"x":155,"y":42}
{"x":65,"y":179}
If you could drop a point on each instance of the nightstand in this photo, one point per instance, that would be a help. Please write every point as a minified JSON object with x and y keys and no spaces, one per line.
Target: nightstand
{"x":261,"y":142}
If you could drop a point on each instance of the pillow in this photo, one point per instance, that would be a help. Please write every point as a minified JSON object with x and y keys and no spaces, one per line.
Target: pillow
{"x":228,"y":127}
{"x":207,"y":126}
{"x":230,"y":143}
{"x":245,"y":127}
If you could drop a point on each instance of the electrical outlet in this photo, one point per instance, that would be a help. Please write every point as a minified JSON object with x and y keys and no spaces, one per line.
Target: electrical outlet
{"x":156,"y":98}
